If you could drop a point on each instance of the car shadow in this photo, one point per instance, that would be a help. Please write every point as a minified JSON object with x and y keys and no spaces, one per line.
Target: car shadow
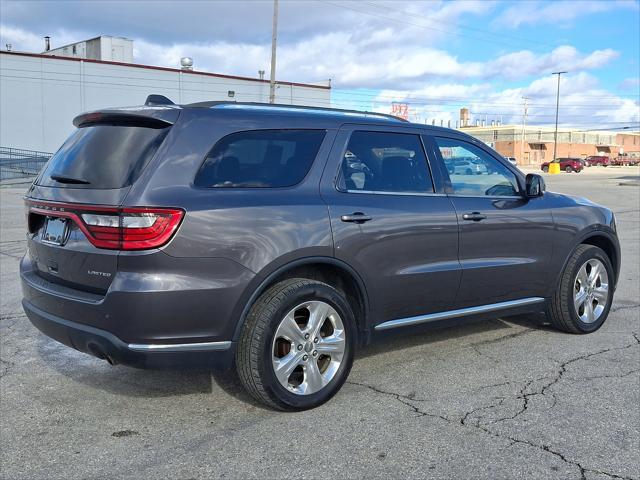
{"x":131,"y":382}
{"x":446,"y":330}
{"x":118,"y":379}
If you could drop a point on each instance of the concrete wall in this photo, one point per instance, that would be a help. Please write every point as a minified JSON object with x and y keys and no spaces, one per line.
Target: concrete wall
{"x":40,"y":95}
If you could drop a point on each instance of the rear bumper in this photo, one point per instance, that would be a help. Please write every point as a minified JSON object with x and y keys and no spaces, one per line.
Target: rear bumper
{"x":106,"y":346}
{"x":175,"y":316}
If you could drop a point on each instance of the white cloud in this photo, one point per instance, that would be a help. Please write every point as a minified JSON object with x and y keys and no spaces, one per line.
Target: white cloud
{"x":356,"y":64}
{"x":350,"y":59}
{"x":399,"y":48}
{"x":556,"y":12}
{"x":583,"y":103}
{"x":26,"y":41}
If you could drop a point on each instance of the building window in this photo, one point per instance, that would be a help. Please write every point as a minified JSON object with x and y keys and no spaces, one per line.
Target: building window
{"x":584,"y":138}
{"x":495,"y":134}
{"x":73,"y":49}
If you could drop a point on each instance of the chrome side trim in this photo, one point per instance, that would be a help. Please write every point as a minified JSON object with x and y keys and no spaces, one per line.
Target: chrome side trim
{"x":398,"y":194}
{"x":462,"y":312}
{"x":179,"y":347}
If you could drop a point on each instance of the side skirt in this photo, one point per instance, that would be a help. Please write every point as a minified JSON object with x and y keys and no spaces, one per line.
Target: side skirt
{"x":462,"y":312}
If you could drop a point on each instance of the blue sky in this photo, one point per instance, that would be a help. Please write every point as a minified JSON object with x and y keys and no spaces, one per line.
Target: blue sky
{"x":436,"y":56}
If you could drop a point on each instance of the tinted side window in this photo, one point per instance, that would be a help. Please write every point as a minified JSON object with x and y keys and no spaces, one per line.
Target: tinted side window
{"x":385,"y":162}
{"x":474,"y":172}
{"x":260,"y":158}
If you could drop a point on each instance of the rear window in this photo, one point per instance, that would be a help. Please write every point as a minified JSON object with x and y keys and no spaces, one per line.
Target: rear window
{"x":103,"y":156}
{"x":260,"y":158}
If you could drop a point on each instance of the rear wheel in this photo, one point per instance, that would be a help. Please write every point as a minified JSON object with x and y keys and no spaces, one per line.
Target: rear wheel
{"x":469,"y":171}
{"x":583,"y":297}
{"x":568,"y":169}
{"x":296,"y":347}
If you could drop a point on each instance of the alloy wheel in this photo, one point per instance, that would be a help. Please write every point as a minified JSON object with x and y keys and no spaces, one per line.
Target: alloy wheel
{"x":308,"y":347}
{"x":591,"y":290}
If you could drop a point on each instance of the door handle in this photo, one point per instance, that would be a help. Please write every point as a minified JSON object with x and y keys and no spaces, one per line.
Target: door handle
{"x":474,"y":216}
{"x":356,"y":217}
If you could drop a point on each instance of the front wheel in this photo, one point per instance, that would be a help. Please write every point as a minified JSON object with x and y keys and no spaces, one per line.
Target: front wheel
{"x":583,"y":297}
{"x":545,"y":169}
{"x":296,"y":347}
{"x":568,"y":169}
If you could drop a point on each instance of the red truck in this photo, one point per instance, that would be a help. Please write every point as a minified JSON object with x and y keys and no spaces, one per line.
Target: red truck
{"x":623,"y":160}
{"x":567,"y":164}
{"x":595,"y":160}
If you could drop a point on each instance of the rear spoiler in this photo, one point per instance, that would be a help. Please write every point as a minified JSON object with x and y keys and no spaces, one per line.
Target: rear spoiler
{"x":152,"y":117}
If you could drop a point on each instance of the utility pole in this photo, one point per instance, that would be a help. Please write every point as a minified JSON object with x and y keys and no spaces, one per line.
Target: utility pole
{"x":524,"y":125}
{"x":555,"y":134}
{"x":274,"y":38}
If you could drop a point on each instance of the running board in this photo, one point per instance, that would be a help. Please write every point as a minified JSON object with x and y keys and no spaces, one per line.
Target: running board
{"x":462,"y":312}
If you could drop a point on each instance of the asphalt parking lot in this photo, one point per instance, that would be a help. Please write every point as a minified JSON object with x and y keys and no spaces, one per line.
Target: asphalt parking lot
{"x":507,"y":398}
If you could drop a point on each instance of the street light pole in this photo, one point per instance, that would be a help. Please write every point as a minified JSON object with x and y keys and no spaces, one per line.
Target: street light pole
{"x":274,"y":38}
{"x":555,"y":134}
{"x":524,"y":125}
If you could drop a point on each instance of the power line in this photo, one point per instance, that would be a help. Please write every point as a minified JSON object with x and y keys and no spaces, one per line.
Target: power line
{"x":466,"y":27}
{"x":385,"y":17}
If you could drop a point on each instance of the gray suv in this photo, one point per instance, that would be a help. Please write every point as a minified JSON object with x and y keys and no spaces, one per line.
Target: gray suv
{"x":280,"y":238}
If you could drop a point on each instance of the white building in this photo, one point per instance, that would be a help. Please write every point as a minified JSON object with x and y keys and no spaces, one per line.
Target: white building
{"x":105,"y":47}
{"x":40,"y":94}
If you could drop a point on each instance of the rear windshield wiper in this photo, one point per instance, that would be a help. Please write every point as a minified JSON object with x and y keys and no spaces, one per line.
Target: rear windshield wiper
{"x":64,"y":179}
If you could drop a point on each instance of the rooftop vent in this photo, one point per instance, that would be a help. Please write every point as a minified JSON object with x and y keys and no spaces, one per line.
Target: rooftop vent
{"x":186,"y":63}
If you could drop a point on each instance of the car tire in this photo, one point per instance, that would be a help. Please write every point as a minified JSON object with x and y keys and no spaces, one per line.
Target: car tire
{"x":568,"y":169}
{"x":545,"y":169}
{"x":469,"y":171}
{"x":578,"y":305}
{"x":262,"y":346}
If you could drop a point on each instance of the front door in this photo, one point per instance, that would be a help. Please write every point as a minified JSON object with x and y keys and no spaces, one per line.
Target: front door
{"x":505,"y":238}
{"x":392,"y":221}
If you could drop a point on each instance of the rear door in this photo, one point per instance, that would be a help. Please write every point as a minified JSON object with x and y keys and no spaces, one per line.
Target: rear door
{"x":96,"y":167}
{"x":505,"y":238}
{"x":391,"y":221}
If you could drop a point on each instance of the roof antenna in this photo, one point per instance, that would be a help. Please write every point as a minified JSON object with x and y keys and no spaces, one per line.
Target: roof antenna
{"x":153,"y":100}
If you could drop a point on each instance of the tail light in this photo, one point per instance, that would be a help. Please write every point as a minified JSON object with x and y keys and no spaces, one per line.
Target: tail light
{"x":115,"y":228}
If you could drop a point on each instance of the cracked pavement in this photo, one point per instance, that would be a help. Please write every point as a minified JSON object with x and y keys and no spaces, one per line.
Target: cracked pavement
{"x":500,"y":399}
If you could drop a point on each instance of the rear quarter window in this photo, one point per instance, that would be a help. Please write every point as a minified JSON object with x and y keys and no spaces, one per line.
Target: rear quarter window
{"x":103,"y":156}
{"x":260,"y":159}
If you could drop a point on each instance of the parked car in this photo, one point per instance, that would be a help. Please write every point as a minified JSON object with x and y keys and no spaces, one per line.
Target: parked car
{"x":567,"y":164}
{"x":280,"y":238}
{"x":597,"y":160}
{"x":512,"y":161}
{"x":465,"y":166}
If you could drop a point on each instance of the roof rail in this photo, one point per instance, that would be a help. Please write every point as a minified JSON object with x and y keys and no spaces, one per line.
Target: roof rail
{"x":300,"y":107}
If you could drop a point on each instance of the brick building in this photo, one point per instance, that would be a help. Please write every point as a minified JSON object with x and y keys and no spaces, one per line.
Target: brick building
{"x":537,"y":145}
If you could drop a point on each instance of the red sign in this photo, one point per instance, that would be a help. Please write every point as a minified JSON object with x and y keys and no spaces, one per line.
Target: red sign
{"x":400,"y":110}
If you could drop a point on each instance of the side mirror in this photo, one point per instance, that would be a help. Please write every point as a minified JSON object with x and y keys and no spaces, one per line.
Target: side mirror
{"x":535,"y":185}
